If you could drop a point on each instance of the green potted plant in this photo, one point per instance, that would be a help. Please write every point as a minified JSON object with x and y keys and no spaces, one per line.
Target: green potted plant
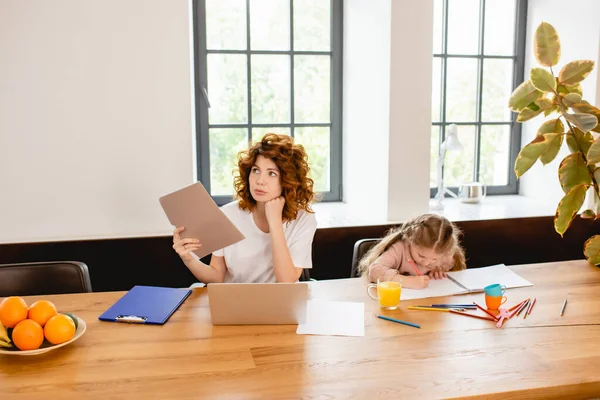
{"x":573,"y":122}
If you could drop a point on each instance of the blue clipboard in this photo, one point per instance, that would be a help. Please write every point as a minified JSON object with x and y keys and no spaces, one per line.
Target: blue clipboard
{"x":146,"y":305}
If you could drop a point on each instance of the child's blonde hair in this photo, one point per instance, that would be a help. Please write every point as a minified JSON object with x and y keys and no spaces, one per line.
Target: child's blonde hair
{"x":430,"y":231}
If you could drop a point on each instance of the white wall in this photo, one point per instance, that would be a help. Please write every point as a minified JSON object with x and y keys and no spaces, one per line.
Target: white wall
{"x":410,"y":108}
{"x":580,"y":40}
{"x":95,"y":116}
{"x":366,"y":99}
{"x":387,"y":55}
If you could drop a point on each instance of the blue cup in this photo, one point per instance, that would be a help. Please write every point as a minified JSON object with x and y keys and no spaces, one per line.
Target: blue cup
{"x":495,"y":290}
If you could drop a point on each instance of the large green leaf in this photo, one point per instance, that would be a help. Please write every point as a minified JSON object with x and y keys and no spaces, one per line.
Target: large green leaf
{"x":552,"y":125}
{"x":575,"y":71}
{"x":546,"y":45}
{"x":569,"y":89}
{"x":593,"y":153}
{"x":573,"y":171}
{"x":552,"y":109}
{"x":528,"y":114}
{"x":543,"y":80}
{"x":568,"y":208}
{"x":531,"y":152}
{"x":585,"y":122}
{"x":552,"y":150}
{"x":591,"y":249}
{"x":571,"y":98}
{"x":523,"y":95}
{"x":587,"y":108}
{"x":579,"y":141}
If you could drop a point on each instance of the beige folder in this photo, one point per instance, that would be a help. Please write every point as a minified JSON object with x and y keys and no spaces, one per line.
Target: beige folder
{"x":193,"y":208}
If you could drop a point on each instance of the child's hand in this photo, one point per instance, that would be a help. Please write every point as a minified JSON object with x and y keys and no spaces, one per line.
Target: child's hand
{"x":436,"y":274}
{"x":415,"y":282}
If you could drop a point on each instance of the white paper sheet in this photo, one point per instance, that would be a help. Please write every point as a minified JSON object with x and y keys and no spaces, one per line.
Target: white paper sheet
{"x":334,"y":318}
{"x":436,"y":288}
{"x":475,"y":279}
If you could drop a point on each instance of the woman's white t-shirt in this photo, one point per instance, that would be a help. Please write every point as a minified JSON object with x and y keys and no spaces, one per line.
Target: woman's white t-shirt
{"x":251,"y":259}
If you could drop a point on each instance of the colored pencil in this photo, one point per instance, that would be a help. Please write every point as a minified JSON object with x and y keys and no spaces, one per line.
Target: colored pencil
{"x":530,"y":308}
{"x":473,"y":315}
{"x":414,"y":267}
{"x":522,"y":308}
{"x":518,"y":304}
{"x":518,"y":310}
{"x":399,"y":321}
{"x":429,"y":308}
{"x":486,"y":311}
{"x":453,"y":305}
{"x":562,"y":310}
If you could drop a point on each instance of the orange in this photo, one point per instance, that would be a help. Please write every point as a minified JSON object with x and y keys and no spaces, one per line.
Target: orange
{"x":41,"y":311}
{"x":12,"y":311}
{"x":28,"y":335}
{"x":59,"y":329}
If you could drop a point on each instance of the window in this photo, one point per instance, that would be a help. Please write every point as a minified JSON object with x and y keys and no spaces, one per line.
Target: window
{"x":478,"y":58}
{"x":268,"y":66}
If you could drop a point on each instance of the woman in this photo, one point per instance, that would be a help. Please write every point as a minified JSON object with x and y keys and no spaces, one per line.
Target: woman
{"x":273,"y":212}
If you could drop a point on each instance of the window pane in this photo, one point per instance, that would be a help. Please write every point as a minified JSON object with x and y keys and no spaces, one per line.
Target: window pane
{"x":270,"y":89}
{"x":463,"y":26}
{"x":461,"y":89}
{"x":224,"y":147}
{"x":269,"y":25}
{"x":312,"y":25}
{"x":438,"y":25}
{"x":497,"y":88}
{"x":494,"y":154}
{"x":434,"y":155}
{"x":258,"y":133}
{"x":311,"y":89}
{"x":458,"y":166}
{"x":499,"y":33}
{"x":316,"y":143}
{"x":226,"y":24}
{"x":227,"y":88}
{"x":436,"y":90}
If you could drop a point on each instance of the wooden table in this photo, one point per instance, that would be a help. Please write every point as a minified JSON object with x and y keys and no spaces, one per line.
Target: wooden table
{"x":543,"y":356}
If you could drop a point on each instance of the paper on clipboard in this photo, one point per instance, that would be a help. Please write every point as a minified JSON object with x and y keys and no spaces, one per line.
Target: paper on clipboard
{"x":193,"y":208}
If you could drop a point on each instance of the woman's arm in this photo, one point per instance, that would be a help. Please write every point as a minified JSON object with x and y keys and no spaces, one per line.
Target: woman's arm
{"x":285,"y":270}
{"x":213,"y":273}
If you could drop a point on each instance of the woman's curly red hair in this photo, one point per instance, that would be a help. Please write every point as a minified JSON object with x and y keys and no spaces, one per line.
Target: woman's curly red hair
{"x":292,"y":161}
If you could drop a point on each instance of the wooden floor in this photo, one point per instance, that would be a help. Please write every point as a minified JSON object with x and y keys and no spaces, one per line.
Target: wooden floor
{"x":451,"y":356}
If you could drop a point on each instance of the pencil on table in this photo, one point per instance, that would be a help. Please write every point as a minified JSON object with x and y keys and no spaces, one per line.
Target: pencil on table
{"x":523,"y":307}
{"x":473,"y":315}
{"x":518,"y":310}
{"x":530,"y":308}
{"x":399,"y":321}
{"x":429,"y":308}
{"x":562,"y":310}
{"x":518,"y":304}
{"x":486,"y":311}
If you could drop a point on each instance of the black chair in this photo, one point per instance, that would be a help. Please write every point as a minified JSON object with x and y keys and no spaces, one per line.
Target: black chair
{"x":305,"y":276}
{"x":361,"y":248}
{"x":44,"y":278}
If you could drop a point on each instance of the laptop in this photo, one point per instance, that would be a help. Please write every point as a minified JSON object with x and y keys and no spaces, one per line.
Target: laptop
{"x":257,"y":303}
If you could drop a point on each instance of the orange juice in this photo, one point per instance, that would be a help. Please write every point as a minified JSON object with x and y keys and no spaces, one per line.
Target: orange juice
{"x":389,"y":294}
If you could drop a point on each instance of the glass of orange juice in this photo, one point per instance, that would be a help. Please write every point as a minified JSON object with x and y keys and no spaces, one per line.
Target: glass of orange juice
{"x":388,"y":293}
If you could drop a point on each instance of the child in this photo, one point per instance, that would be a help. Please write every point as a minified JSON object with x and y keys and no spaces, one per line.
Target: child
{"x":272,"y":210}
{"x":428,"y":243}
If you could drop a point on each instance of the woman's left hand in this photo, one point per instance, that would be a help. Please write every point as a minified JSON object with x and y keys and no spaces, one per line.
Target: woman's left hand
{"x":437,"y":274}
{"x":274,"y":211}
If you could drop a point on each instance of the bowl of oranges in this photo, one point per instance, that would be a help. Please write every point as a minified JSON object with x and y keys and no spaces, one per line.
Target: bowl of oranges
{"x":36,"y":329}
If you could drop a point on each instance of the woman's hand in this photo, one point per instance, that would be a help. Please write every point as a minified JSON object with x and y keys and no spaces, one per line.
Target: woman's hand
{"x":437,"y":274}
{"x":274,"y":211}
{"x":183,"y":247}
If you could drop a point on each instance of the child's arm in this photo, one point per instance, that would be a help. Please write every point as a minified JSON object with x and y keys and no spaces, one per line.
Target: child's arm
{"x":414,"y":282}
{"x":386,"y":266}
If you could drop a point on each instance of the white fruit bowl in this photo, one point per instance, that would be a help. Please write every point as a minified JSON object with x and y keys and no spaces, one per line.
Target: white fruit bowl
{"x":46,"y":347}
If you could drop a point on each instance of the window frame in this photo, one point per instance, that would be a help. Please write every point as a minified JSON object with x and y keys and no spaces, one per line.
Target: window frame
{"x":202,"y":99}
{"x":518,"y":76}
